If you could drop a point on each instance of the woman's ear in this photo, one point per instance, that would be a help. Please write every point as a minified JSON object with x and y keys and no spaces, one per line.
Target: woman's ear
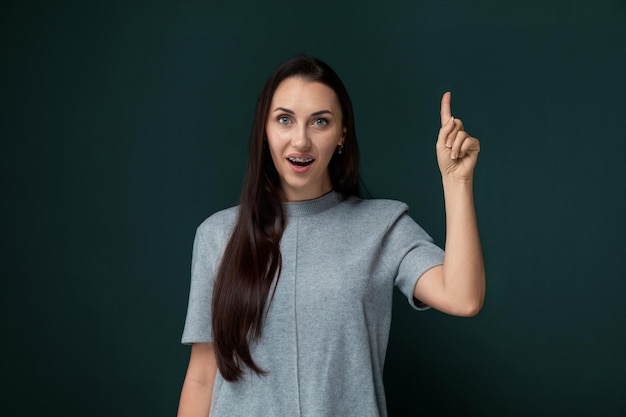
{"x":342,"y":138}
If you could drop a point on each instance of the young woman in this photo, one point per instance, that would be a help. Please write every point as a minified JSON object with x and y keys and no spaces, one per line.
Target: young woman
{"x":290,"y":301}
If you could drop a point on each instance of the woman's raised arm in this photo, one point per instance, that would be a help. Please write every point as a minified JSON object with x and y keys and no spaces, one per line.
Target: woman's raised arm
{"x":458,"y":286}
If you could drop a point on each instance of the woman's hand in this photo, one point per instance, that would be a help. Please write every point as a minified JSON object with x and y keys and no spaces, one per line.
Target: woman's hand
{"x":457,"y":151}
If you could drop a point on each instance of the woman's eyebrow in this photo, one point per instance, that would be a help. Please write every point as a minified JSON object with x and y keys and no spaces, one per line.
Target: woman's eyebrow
{"x":284,"y":110}
{"x":317,"y":113}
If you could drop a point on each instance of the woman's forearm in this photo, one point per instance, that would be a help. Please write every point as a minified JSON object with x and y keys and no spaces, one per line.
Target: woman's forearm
{"x":463,"y":269}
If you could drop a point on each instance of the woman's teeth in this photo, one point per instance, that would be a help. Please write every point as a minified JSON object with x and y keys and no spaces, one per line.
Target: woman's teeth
{"x":300,"y":161}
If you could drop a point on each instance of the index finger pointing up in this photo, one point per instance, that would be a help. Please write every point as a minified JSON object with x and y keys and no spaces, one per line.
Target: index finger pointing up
{"x":446,"y":113}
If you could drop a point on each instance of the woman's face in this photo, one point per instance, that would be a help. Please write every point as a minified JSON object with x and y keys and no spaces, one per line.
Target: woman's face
{"x":304,"y":128}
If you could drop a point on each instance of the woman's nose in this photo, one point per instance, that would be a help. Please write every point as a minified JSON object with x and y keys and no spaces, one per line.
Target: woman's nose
{"x":300,"y":139}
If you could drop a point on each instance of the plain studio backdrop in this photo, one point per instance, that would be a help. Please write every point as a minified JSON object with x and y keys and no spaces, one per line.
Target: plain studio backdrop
{"x":125,"y":124}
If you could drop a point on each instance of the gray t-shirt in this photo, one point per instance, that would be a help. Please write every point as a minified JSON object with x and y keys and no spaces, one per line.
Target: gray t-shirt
{"x":326,"y":331}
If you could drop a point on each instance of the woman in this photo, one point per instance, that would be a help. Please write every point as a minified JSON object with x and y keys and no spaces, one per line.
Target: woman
{"x":290,"y":301}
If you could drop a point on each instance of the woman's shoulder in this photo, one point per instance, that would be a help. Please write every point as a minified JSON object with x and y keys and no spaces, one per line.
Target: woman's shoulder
{"x":219,"y":223}
{"x":370,"y":213}
{"x":375,"y":206}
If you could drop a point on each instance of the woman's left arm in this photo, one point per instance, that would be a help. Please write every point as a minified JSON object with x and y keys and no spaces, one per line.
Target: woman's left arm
{"x":458,"y":286}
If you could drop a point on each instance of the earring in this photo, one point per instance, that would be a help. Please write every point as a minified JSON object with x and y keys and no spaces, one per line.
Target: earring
{"x":340,"y":149}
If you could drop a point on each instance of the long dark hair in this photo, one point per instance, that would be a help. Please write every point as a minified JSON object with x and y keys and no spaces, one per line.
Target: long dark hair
{"x":252,"y":258}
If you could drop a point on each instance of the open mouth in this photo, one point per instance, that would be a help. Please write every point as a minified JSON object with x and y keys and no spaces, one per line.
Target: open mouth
{"x":301,"y":162}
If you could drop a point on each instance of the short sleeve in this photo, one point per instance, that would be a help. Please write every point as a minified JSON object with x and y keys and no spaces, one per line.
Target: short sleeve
{"x":198,"y":322}
{"x":409,"y":251}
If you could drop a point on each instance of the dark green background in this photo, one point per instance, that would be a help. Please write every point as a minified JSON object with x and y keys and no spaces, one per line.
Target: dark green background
{"x":125,"y":124}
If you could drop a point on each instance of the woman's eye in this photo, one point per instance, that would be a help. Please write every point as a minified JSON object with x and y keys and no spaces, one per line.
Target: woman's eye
{"x":321,"y":122}
{"x":283,"y":120}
